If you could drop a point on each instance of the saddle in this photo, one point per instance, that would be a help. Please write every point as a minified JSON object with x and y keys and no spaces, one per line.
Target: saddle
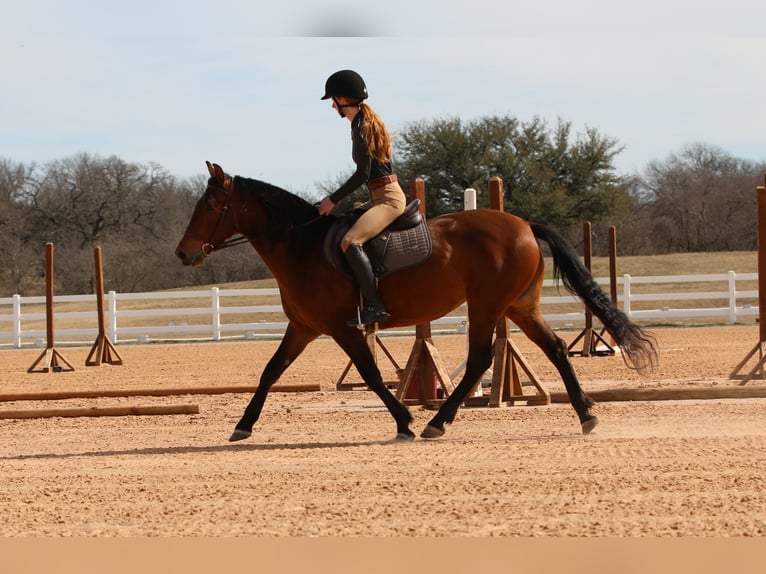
{"x":405,"y":243}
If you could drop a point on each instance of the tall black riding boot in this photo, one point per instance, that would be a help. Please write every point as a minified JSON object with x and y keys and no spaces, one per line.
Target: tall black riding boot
{"x":373,"y":310}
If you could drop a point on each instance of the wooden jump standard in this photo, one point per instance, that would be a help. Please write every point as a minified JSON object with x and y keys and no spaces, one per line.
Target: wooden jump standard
{"x":760,"y":348}
{"x":424,"y":358}
{"x":612,"y":274}
{"x":589,"y":335}
{"x":506,"y":383}
{"x":103,"y":350}
{"x":50,"y":359}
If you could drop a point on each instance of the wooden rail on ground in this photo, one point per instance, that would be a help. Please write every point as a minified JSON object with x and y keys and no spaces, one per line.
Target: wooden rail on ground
{"x":101,"y":411}
{"x":668,"y":394}
{"x":158,"y":392}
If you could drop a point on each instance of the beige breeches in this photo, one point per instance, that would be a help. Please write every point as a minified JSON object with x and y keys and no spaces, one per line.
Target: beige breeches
{"x":388,"y":203}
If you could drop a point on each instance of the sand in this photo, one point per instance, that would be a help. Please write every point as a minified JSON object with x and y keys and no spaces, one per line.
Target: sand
{"x":323,"y":463}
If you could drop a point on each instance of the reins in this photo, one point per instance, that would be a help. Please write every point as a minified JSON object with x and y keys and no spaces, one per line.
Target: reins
{"x":307,"y":223}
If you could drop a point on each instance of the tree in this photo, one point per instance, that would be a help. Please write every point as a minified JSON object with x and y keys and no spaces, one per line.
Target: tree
{"x":550,"y":176}
{"x":699,"y":199}
{"x":86,"y":200}
{"x":22,"y":260}
{"x":136,"y":213}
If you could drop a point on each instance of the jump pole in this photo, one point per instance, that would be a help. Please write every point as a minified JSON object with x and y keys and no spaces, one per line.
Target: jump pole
{"x":424,"y":360}
{"x":588,"y":335}
{"x":506,"y":383}
{"x":757,"y":372}
{"x":155,"y":392}
{"x":669,"y":394}
{"x":50,"y":359}
{"x":103,"y":350}
{"x":100,"y":411}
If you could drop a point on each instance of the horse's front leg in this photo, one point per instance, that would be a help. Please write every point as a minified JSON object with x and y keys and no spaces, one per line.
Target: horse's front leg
{"x":478,"y":361}
{"x":353,"y":343}
{"x":293,"y":343}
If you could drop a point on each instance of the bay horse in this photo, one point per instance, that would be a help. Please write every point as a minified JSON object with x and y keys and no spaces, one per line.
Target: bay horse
{"x":489,"y":259}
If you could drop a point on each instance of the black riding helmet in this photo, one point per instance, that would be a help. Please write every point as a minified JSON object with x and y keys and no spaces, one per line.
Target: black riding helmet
{"x":345,"y":83}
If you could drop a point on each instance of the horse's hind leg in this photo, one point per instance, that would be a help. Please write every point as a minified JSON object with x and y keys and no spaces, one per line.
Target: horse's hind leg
{"x":292,"y":345}
{"x":478,"y":361}
{"x":537,"y":329}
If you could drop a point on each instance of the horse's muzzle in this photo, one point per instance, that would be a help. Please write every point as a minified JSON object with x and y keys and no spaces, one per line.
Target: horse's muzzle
{"x":193,"y":257}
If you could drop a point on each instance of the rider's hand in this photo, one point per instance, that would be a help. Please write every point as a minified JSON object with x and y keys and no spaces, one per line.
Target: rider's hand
{"x":326,"y":207}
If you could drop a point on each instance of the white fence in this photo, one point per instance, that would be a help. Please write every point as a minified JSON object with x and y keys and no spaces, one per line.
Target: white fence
{"x":253,"y":313}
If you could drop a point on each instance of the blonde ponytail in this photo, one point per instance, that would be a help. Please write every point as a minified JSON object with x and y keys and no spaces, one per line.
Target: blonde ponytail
{"x":376,"y":135}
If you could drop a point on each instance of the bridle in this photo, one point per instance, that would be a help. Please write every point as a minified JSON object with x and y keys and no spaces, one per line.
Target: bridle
{"x":208,"y":246}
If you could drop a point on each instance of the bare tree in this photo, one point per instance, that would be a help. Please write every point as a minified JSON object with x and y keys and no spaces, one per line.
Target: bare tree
{"x":85,"y":198}
{"x":700,"y":199}
{"x":20,"y":271}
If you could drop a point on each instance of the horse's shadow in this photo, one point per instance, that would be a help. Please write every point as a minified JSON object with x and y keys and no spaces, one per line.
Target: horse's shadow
{"x":240,"y":447}
{"x":205,"y":449}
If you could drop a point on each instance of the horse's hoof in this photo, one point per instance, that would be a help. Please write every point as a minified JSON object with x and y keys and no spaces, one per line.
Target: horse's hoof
{"x":589,"y":425}
{"x":404,"y":436}
{"x":431,"y":432}
{"x":239,"y":434}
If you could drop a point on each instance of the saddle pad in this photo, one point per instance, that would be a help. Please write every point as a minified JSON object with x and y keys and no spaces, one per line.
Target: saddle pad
{"x":389,"y":251}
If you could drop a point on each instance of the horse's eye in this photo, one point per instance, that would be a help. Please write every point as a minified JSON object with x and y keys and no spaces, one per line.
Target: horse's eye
{"x":210,"y":199}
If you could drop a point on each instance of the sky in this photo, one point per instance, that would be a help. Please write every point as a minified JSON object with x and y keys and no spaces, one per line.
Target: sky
{"x":239,"y":83}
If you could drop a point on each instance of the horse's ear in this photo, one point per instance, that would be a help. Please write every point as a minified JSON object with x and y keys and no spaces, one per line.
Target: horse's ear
{"x":216,"y":171}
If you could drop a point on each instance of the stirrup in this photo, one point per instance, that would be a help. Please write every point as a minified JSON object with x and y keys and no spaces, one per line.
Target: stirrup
{"x":368,"y":316}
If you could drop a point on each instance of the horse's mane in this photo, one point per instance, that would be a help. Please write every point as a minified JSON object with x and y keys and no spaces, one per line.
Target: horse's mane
{"x":285,"y":210}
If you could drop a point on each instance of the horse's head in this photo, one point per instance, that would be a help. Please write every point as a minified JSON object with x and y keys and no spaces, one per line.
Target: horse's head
{"x":214,"y":220}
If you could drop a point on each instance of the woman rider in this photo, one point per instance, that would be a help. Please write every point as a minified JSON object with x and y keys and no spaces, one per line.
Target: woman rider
{"x":371,"y":152}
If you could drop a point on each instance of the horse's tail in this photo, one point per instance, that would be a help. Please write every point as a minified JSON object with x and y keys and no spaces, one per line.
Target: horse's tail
{"x":638,"y":346}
